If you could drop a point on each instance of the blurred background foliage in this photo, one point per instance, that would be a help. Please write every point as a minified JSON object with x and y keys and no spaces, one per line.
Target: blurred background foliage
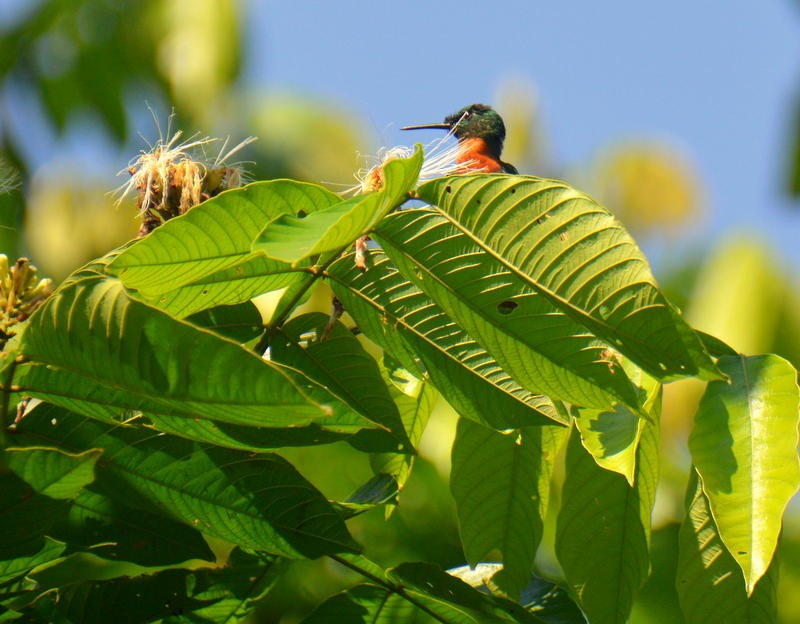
{"x":77,"y":78}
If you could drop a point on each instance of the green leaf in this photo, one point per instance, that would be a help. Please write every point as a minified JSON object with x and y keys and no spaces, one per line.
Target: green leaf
{"x":414,"y":399}
{"x":379,"y":490}
{"x":340,"y":363}
{"x":366,"y":604}
{"x":236,"y":588}
{"x":539,"y":346}
{"x":501,"y":485}
{"x":132,"y":600}
{"x":442,"y":592}
{"x":573,"y":252}
{"x":258,"y":502}
{"x":103,"y":522}
{"x":53,"y":472}
{"x":420,"y":593}
{"x":291,"y":238}
{"x":257,"y":439}
{"x":26,"y":518}
{"x":546,"y":600}
{"x":603,"y":529}
{"x":241,"y":323}
{"x":93,"y":349}
{"x":744,"y":445}
{"x":253,"y":276}
{"x":710,"y":583}
{"x":216,"y":235}
{"x":19,"y":566}
{"x":398,"y":317}
{"x":612,"y":436}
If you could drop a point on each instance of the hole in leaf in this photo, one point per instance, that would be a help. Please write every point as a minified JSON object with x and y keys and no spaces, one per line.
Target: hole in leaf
{"x":301,"y":214}
{"x":447,"y":189}
{"x":513,"y":190}
{"x":507,"y":306}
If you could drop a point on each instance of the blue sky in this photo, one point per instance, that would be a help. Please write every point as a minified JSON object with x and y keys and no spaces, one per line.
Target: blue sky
{"x":716,"y":78}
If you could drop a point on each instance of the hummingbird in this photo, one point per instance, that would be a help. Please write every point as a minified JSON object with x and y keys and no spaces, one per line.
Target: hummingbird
{"x":480,"y":133}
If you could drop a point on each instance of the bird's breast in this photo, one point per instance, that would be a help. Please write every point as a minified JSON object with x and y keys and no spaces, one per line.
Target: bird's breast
{"x":474,"y":155}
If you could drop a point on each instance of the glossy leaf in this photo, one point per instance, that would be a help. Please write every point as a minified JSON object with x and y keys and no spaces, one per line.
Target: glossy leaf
{"x":501,"y":485}
{"x":97,"y":351}
{"x":710,"y":583}
{"x":293,"y":237}
{"x":258,"y":502}
{"x":402,"y":320}
{"x":213,"y":236}
{"x":53,"y":472}
{"x":573,"y":252}
{"x":603,"y":529}
{"x":744,"y":445}
{"x":541,"y":347}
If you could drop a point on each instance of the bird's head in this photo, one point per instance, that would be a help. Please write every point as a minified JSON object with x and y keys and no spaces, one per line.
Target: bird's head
{"x":473,"y":121}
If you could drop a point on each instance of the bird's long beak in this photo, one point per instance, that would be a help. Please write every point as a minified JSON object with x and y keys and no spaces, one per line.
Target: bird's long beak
{"x":442,"y":126}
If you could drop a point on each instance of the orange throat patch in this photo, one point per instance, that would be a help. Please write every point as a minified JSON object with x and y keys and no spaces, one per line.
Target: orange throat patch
{"x":475,"y":156}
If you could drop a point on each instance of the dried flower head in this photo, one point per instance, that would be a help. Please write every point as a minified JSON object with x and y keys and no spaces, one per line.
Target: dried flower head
{"x":21,"y":292}
{"x":439,"y":160}
{"x":173,"y":176}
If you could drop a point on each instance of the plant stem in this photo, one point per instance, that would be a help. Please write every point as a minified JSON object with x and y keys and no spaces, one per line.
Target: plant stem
{"x":281,"y":314}
{"x":395,"y":589}
{"x":5,"y":401}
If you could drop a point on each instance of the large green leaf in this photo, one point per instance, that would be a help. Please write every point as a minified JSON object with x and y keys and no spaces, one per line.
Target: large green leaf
{"x":53,"y":472}
{"x":258,"y":502}
{"x":612,"y":436}
{"x":93,"y":349}
{"x":710,"y":583}
{"x":292,"y":237}
{"x":406,"y":323}
{"x":254,"y":275}
{"x":541,"y":347}
{"x":501,"y":485}
{"x":744,"y":445}
{"x":241,"y":323}
{"x":573,"y":252}
{"x":603,"y":529}
{"x":259,"y":439}
{"x":340,"y":363}
{"x":213,"y":236}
